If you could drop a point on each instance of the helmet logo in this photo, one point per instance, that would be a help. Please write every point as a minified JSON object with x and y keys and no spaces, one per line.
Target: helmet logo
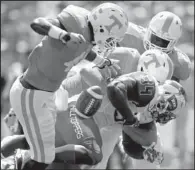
{"x":116,"y":22}
{"x":167,"y":24}
{"x":153,"y":60}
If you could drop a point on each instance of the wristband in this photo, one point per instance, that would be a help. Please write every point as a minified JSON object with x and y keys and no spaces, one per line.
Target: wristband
{"x":56,"y":32}
{"x":98,"y":60}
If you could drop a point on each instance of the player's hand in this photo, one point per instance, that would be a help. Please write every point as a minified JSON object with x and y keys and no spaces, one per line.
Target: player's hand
{"x":74,"y":38}
{"x":152,"y":155}
{"x":110,"y":69}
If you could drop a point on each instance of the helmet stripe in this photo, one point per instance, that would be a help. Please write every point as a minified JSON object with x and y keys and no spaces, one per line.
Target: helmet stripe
{"x":171,"y":69}
{"x":167,"y":23}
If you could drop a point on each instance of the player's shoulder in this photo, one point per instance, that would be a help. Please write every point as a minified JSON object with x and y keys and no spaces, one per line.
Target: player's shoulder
{"x":182,"y":57}
{"x":73,"y":17}
{"x":125,"y":51}
{"x":76,"y":9}
{"x":133,"y":37}
{"x":182,"y":64}
{"x":73,"y":11}
{"x":135,"y":30}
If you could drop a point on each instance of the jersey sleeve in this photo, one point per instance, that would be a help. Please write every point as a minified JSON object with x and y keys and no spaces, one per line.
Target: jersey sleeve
{"x":68,"y":18}
{"x":184,"y":67}
{"x":73,"y":83}
{"x":133,"y":37}
{"x":128,"y":58}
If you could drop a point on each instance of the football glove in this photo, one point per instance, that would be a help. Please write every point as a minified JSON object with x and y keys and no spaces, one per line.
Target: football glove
{"x":152,"y":155}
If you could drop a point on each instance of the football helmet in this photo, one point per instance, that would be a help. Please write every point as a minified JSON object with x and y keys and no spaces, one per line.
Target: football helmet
{"x":163,"y":32}
{"x":171,"y":99}
{"x":109,"y":23}
{"x":156,"y":63}
{"x":12,"y":122}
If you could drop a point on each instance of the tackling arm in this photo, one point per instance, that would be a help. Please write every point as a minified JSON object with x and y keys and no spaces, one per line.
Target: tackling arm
{"x":117,"y":92}
{"x":50,"y":27}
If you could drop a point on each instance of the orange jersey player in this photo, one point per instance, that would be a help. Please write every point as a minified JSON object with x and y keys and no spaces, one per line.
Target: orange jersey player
{"x":163,"y":33}
{"x":69,"y":39}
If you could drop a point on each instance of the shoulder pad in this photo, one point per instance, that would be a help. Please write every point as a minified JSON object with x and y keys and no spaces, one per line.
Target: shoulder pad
{"x":128,"y":58}
{"x":76,"y":9}
{"x":184,"y":65}
{"x":135,"y":30}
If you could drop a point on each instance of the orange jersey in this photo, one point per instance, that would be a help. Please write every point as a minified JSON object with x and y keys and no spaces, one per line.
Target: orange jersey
{"x":50,"y":60}
{"x":134,"y":39}
{"x":72,"y":129}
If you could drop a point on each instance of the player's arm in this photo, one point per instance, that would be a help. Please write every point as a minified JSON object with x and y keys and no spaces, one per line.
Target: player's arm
{"x":10,"y":143}
{"x":50,"y":27}
{"x":184,"y":68}
{"x":78,"y":154}
{"x":119,"y":92}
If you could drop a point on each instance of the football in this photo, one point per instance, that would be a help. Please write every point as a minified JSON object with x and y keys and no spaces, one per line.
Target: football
{"x":89,"y":101}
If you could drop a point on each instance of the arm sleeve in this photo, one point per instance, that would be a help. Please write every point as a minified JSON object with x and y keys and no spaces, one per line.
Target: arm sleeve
{"x":42,"y":25}
{"x":92,"y":76}
{"x":118,"y":91}
{"x":184,"y":68}
{"x":91,"y":56}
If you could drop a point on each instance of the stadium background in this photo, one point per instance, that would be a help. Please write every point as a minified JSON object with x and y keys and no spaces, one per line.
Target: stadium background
{"x":17,"y":41}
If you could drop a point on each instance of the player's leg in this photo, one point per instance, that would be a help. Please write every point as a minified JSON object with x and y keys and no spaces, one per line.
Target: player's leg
{"x":119,"y":159}
{"x":35,"y":111}
{"x":109,"y":139}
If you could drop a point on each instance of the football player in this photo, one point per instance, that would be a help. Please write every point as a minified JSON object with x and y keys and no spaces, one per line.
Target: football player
{"x":68,"y":39}
{"x":163,"y":32}
{"x":78,"y":140}
{"x":107,"y":119}
{"x":142,"y":101}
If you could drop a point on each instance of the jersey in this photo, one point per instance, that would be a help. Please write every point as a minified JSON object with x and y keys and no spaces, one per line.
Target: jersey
{"x":134,"y":39}
{"x":50,"y":60}
{"x":72,"y":129}
{"x":140,"y":90}
{"x":140,"y":87}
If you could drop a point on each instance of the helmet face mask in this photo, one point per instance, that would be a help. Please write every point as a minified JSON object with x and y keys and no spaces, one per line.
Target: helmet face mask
{"x":168,"y":104}
{"x":153,"y":41}
{"x":109,"y":23}
{"x":163,"y":32}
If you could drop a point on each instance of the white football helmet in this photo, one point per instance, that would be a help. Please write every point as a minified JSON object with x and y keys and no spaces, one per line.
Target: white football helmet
{"x":157,"y":64}
{"x":163,"y":32}
{"x":171,"y":100}
{"x":109,"y":23}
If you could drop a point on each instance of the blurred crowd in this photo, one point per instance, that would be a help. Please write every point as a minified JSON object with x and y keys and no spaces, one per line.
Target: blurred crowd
{"x":17,"y":38}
